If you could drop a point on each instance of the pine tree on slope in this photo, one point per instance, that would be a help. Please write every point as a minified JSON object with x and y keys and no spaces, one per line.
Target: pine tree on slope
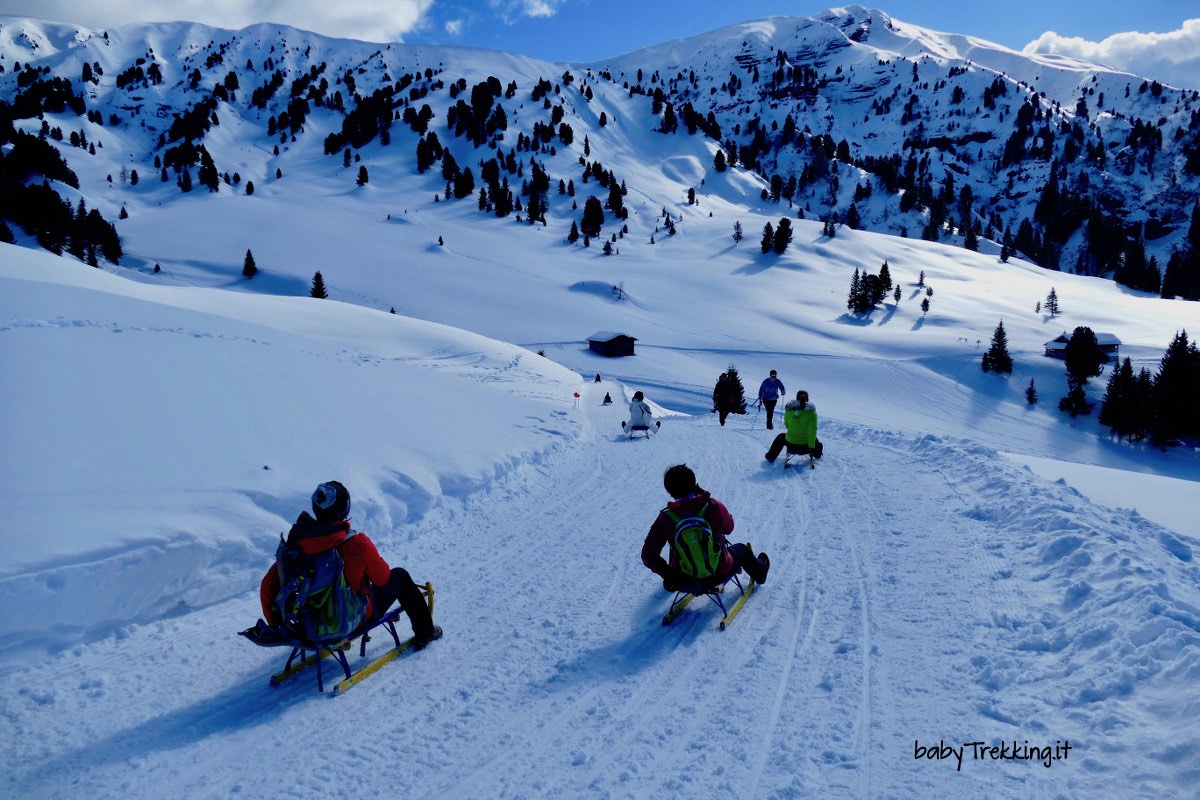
{"x":997,"y":358}
{"x":318,"y":287}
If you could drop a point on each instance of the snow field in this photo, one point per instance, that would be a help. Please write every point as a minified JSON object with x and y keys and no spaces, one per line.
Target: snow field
{"x":880,"y":623}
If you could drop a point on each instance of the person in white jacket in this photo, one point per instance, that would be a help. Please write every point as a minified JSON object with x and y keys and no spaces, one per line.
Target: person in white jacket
{"x":641,"y":418}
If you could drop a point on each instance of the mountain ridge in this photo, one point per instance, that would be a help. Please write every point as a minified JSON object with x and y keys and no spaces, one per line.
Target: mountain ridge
{"x":1144,"y":193}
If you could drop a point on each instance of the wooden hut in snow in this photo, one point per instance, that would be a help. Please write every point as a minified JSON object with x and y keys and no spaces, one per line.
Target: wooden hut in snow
{"x":611,"y":344}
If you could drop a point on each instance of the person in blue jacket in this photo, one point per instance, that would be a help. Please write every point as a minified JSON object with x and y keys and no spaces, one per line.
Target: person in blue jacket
{"x":769,"y":393}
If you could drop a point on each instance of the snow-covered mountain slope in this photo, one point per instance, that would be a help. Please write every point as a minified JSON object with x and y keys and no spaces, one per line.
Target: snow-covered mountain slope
{"x":951,"y":103}
{"x":891,"y":108}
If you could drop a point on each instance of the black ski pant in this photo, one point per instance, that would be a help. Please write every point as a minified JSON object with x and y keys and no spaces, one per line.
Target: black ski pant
{"x":770,"y":406}
{"x":400,"y":587}
{"x":753,"y":565}
{"x":782,"y":442}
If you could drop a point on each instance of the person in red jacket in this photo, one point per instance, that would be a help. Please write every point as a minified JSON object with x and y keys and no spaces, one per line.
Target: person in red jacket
{"x":688,"y":497}
{"x":365,"y":570}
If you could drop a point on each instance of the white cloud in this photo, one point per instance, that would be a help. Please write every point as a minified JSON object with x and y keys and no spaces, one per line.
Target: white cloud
{"x":369,"y":20}
{"x":1173,"y":58}
{"x":454,"y":27}
{"x":512,"y":11}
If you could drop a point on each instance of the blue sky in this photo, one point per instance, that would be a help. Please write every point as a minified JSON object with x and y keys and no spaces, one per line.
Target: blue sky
{"x":588,"y":30}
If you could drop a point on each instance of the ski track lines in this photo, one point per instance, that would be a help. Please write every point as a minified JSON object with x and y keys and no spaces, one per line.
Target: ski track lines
{"x":555,"y":678}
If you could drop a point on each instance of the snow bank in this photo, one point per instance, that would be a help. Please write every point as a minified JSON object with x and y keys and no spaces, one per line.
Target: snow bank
{"x":172,"y":433}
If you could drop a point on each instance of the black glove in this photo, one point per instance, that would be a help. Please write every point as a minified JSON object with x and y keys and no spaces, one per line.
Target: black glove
{"x":255,"y":633}
{"x":264,"y":635}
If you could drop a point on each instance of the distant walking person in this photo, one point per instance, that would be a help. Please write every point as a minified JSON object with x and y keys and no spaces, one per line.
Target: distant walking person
{"x":800,"y":419}
{"x":724,"y":399}
{"x":769,"y":393}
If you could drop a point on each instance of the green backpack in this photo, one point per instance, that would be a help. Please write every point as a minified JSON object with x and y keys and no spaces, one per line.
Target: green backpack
{"x":314,"y":599}
{"x":699,"y":553}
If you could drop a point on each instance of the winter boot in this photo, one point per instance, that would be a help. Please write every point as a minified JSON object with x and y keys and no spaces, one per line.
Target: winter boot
{"x":765,"y":564}
{"x":421,"y":642}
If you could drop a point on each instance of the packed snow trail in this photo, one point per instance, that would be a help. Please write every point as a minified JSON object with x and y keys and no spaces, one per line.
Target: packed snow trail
{"x":881,"y":624}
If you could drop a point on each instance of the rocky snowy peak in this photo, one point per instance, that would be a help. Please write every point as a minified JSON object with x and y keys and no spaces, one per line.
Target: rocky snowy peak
{"x":24,"y":39}
{"x":1117,"y":151}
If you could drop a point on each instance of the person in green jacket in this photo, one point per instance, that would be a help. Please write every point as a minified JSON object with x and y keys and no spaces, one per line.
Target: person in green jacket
{"x":800,"y":419}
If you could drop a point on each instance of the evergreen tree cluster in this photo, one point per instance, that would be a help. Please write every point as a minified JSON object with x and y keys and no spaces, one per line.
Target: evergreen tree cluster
{"x":41,"y":211}
{"x":1135,"y":271}
{"x":1182,"y":276}
{"x":418,"y":121}
{"x":429,"y":150}
{"x":1163,"y":406}
{"x":33,"y":204}
{"x":829,"y":225}
{"x":482,"y":117}
{"x":261,"y":95}
{"x":775,"y":239}
{"x":37,"y":95}
{"x":370,"y":117}
{"x":193,"y":122}
{"x":867,"y":291}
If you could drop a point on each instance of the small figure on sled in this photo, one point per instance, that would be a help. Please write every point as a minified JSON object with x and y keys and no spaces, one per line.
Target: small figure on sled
{"x":641,"y":418}
{"x":800,"y":439}
{"x":328,"y":586}
{"x":695,"y":526}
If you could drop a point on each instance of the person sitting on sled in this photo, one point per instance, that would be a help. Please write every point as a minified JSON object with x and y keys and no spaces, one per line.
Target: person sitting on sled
{"x":365,"y":570}
{"x":800,"y":419}
{"x":688,"y":498}
{"x":640,"y":415}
